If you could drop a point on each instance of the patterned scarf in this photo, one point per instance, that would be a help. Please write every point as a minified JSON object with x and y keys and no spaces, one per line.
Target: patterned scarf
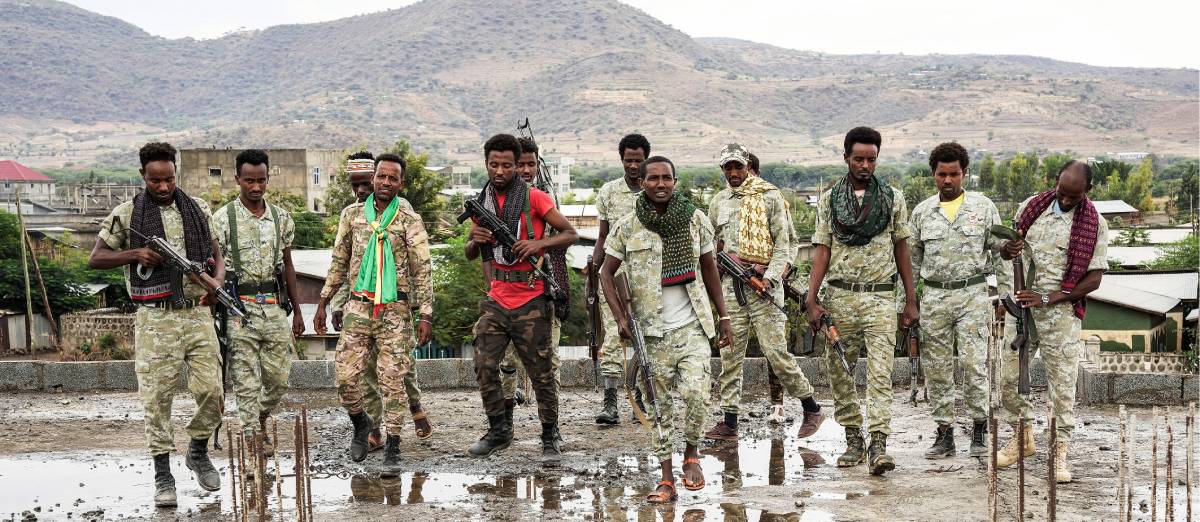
{"x":516,"y":203}
{"x":853,"y":223}
{"x":197,"y":241}
{"x":377,"y":272}
{"x":754,"y":240}
{"x":674,"y":228}
{"x":1084,"y":234}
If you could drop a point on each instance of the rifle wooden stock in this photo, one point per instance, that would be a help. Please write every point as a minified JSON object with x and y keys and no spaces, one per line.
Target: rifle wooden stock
{"x":641,"y":361}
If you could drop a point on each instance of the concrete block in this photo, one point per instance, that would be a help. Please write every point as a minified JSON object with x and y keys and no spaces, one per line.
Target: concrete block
{"x":814,"y":370}
{"x":312,"y":374}
{"x":73,"y":376}
{"x":1092,"y":387}
{"x":577,"y":373}
{"x":435,"y":374}
{"x":21,"y":375}
{"x":118,"y":375}
{"x":1191,"y":389}
{"x":1146,"y":389}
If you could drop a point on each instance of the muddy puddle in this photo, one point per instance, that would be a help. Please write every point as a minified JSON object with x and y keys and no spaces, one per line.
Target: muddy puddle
{"x":119,"y":485}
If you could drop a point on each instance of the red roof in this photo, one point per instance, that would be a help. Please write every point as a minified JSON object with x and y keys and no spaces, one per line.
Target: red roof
{"x":13,"y":171}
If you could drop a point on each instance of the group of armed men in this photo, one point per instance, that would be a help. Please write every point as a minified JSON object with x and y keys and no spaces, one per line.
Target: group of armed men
{"x":664,"y":266}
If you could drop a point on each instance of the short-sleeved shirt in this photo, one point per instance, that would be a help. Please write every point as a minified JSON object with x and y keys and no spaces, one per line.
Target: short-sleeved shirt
{"x":114,"y":234}
{"x":641,"y":250}
{"x":514,"y":294}
{"x":1049,"y":239}
{"x":945,"y":249}
{"x":874,"y":262}
{"x":258,"y":247}
{"x":615,"y":200}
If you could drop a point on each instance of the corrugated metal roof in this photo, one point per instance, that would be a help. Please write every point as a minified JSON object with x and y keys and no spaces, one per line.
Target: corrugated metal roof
{"x":1129,"y":297}
{"x":1180,"y":285}
{"x":1156,"y":236}
{"x":1133,"y":256}
{"x":1113,"y":206}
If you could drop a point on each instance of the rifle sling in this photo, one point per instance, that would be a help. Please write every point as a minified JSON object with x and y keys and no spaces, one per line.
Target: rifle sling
{"x":235,"y":247}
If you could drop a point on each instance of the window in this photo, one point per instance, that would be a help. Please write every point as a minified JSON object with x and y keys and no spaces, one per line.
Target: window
{"x":316,"y":175}
{"x":214,"y":171}
{"x":316,"y":207}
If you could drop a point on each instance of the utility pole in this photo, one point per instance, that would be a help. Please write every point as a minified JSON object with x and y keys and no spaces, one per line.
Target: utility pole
{"x":25,"y":269}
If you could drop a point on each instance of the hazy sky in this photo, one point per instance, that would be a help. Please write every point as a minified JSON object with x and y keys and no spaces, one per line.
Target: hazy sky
{"x":1098,"y":32}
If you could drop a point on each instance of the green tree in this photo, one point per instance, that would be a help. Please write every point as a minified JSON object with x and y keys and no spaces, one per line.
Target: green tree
{"x":1182,"y":254}
{"x":422,"y":187}
{"x":1051,"y":165}
{"x":987,"y":173}
{"x":1135,"y":236}
{"x":1105,"y":169}
{"x":1187,"y":199}
{"x":1139,"y":184}
{"x":917,"y":185}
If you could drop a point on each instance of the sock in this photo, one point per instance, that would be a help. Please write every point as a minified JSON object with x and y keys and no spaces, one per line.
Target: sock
{"x":810,"y":405}
{"x":731,"y":420}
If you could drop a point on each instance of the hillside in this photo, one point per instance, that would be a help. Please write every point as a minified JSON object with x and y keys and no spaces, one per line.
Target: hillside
{"x":447,"y":73}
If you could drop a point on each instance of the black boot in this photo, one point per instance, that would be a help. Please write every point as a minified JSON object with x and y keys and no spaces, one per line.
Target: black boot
{"x":391,"y":458}
{"x":854,"y":448}
{"x":979,"y":439}
{"x":197,"y":461}
{"x":637,"y":397}
{"x":878,"y":461}
{"x":362,"y":429}
{"x":943,"y":445}
{"x":509,"y":406}
{"x":164,"y":482}
{"x":498,"y":437}
{"x":551,"y":452}
{"x":608,"y":413}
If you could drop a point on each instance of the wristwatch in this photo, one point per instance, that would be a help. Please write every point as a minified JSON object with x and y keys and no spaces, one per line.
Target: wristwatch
{"x":1045,"y":299}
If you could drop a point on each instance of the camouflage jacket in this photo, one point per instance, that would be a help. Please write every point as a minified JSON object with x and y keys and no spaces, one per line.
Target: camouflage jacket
{"x":1048,"y":240}
{"x":615,"y":200}
{"x":723,"y":210}
{"x":946,"y":251}
{"x":342,"y":294}
{"x":258,"y":247}
{"x":874,"y":262}
{"x":641,"y":250}
{"x":410,"y":246}
{"x":116,"y":236}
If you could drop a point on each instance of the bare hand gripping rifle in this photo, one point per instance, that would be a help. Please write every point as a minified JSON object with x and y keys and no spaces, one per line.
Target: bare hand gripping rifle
{"x":640,"y":361}
{"x":195,"y":272}
{"x":827,"y":327}
{"x":910,"y":343}
{"x":595,"y":327}
{"x":1023,"y":316}
{"x":744,"y":277}
{"x":504,"y":236}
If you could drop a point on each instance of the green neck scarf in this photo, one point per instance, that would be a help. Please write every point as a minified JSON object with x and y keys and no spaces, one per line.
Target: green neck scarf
{"x":674,"y":227}
{"x":377,"y":273}
{"x":856,"y":223}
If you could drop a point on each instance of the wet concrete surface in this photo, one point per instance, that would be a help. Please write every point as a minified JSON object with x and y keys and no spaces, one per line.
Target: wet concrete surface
{"x":81,"y":457}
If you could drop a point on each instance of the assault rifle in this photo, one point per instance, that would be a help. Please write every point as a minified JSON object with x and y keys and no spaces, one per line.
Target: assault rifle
{"x":505,"y":237}
{"x":542,"y":181}
{"x":744,"y":277}
{"x":195,"y":272}
{"x":827,"y":327}
{"x":220,"y":316}
{"x":595,"y":328}
{"x":641,"y":361}
{"x":1021,"y":315}
{"x":910,"y":342}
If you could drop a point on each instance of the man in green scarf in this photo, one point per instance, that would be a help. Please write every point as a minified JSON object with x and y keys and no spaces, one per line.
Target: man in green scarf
{"x":861,"y":247}
{"x":383,"y":251}
{"x":665,"y":242}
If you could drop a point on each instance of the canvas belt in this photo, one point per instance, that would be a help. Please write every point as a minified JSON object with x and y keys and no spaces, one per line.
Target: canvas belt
{"x":955,"y":285}
{"x":511,"y":276}
{"x":863,"y":287}
{"x":400,"y":296}
{"x":182,"y":304}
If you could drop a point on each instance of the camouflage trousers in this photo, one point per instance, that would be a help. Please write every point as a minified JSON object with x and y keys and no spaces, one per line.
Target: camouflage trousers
{"x":679,"y":361}
{"x":509,"y":377}
{"x":527,"y":327}
{"x":947,"y":317}
{"x":1058,"y":345}
{"x":392,"y":335}
{"x":866,"y":322}
{"x":163,"y":341}
{"x":262,"y":361}
{"x":770,"y":326}
{"x":373,"y":400}
{"x":612,"y":347}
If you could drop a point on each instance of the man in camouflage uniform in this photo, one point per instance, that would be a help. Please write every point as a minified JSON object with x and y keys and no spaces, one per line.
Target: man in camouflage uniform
{"x":1065,"y":269}
{"x":663,"y":242}
{"x":256,"y":237}
{"x":383,"y":251}
{"x":614,"y":201}
{"x":953,"y":251}
{"x":170,"y":329}
{"x":752,"y":224}
{"x":360,"y":172}
{"x":862,"y":228}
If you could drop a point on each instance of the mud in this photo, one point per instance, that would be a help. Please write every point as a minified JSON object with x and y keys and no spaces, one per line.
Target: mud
{"x":81,"y":457}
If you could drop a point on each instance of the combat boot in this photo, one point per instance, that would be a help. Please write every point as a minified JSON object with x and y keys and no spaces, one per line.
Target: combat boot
{"x":878,"y":461}
{"x":508,"y":416}
{"x":854,"y":448}
{"x":943,"y":445}
{"x":1007,"y":455}
{"x":268,"y":449}
{"x":164,"y":482}
{"x":197,"y":461}
{"x":979,"y":439}
{"x":498,"y":437}
{"x":362,"y":430}
{"x":391,"y":458}
{"x":1062,"y":472}
{"x":637,"y":397}
{"x":609,"y":413}
{"x":551,"y":452}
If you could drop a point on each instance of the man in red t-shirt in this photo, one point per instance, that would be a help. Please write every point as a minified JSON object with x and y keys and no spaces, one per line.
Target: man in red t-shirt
{"x":515,"y":310}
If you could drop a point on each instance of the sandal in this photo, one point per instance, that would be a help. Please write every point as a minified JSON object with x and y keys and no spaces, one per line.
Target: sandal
{"x":427,"y":431}
{"x":692,"y":486}
{"x":662,"y":497}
